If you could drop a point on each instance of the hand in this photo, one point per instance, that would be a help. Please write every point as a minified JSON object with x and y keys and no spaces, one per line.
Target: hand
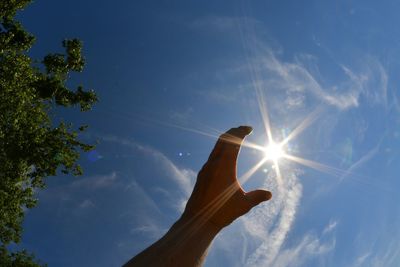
{"x":217,"y":197}
{"x":216,"y":201}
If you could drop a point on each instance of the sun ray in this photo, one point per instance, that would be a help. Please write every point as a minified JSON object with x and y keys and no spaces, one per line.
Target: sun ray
{"x":262,"y":106}
{"x":316,"y":165}
{"x":239,"y":141}
{"x":245,"y":177}
{"x":279,"y":179}
{"x":256,"y":81}
{"x":313,"y":116}
{"x":326,"y":169}
{"x":215,"y":135}
{"x":336,"y":172}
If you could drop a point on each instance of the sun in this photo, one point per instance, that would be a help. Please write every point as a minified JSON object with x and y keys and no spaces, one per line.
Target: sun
{"x":273,"y":151}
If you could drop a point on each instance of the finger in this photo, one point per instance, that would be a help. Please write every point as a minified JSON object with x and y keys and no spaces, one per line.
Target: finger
{"x":257,"y":196}
{"x":229,"y":143}
{"x":231,"y":146}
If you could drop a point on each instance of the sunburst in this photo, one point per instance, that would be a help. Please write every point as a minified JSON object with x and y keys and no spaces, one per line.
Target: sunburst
{"x":274,"y":151}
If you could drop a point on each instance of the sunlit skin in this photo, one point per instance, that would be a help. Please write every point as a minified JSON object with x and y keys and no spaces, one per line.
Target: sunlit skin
{"x":216,"y":201}
{"x":218,"y":176}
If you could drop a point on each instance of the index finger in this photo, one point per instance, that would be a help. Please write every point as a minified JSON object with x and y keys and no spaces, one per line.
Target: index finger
{"x":228,"y":144}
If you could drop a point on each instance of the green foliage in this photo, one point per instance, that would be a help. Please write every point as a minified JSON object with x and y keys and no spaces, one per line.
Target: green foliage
{"x":32,"y":147}
{"x":18,"y":259}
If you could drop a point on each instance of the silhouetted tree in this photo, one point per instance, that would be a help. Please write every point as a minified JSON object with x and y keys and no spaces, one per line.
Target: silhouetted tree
{"x":32,"y":145}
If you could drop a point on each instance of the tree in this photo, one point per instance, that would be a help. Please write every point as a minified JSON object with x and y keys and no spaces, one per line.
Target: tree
{"x":32,"y":145}
{"x":18,"y":259}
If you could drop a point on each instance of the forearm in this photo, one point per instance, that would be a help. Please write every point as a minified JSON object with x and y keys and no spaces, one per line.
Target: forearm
{"x":185,"y":244}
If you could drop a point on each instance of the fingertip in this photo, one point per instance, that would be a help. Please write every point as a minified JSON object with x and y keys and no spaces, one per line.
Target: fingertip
{"x":229,"y":143}
{"x":240,"y":132}
{"x":246,"y":129}
{"x":258,"y":196}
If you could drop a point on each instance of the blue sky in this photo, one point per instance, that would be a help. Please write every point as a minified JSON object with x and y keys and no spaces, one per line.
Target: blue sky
{"x":172,"y":75}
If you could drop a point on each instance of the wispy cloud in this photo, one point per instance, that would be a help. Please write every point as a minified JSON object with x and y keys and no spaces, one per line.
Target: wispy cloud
{"x":379,"y":247}
{"x":147,"y":219}
{"x":300,"y":80}
{"x":184,"y":178}
{"x":295,"y":81}
{"x":149,"y":228}
{"x":361,"y":259}
{"x":140,"y":193}
{"x":96,"y":181}
{"x":79,"y":192}
{"x":330,"y":227}
{"x":364,"y":159}
{"x":386,"y":255}
{"x":270,"y":225}
{"x":310,"y":247}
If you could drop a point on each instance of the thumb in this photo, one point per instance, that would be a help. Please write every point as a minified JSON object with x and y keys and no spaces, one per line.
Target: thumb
{"x":257,"y":196}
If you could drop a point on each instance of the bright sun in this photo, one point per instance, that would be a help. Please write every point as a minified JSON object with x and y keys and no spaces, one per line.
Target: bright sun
{"x":273,"y":151}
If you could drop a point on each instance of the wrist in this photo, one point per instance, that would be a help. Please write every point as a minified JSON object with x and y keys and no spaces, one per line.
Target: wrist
{"x":196,"y":228}
{"x":191,"y":220}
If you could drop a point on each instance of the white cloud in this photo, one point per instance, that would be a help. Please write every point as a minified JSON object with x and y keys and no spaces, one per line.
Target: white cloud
{"x":183,"y":177}
{"x":309,"y":247}
{"x":141,"y":194}
{"x":270,"y":225}
{"x":265,"y":229}
{"x":377,"y":82}
{"x":360,"y":260}
{"x":330,"y":227}
{"x":300,"y":80}
{"x":96,"y":181}
{"x":72,"y":193}
{"x":146,"y":218}
{"x":150,"y":229}
{"x":387,"y":255}
{"x":379,"y":247}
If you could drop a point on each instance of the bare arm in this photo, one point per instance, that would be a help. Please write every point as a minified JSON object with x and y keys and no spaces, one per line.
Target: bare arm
{"x":216,"y":201}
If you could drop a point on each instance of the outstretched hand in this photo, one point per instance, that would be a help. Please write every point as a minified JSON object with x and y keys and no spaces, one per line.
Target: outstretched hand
{"x":217,"y":197}
{"x":216,"y":201}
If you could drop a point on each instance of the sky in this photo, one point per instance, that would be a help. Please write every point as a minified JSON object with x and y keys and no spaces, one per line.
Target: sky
{"x":173,"y":75}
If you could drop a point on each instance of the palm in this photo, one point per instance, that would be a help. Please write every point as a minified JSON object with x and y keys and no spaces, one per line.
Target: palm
{"x":218,"y":196}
